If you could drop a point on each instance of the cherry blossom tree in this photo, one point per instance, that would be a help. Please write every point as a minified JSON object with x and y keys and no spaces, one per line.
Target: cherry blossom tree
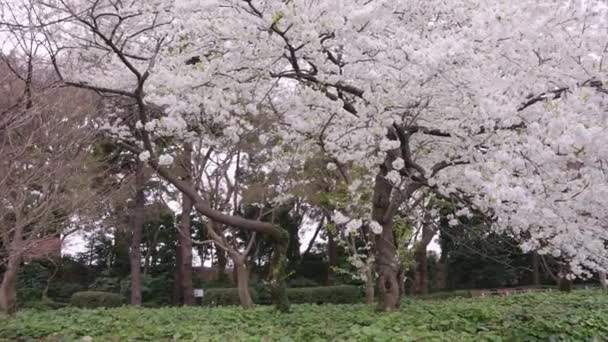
{"x":497,"y":105}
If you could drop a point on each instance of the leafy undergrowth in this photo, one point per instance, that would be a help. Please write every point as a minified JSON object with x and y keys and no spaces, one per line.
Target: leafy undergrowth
{"x":579,"y":316}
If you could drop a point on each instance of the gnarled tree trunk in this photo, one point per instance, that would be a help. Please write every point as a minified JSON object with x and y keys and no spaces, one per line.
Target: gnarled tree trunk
{"x":137,"y":228}
{"x":276,"y":233}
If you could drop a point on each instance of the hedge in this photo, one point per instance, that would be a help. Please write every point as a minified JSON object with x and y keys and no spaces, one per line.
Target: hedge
{"x":343,"y":294}
{"x":96,"y":299}
{"x":225,"y":296}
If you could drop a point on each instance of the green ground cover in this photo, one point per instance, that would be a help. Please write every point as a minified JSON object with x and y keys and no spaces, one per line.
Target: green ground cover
{"x":579,"y":316}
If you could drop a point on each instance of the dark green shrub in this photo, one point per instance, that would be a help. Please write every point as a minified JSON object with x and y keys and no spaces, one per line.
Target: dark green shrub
{"x":95,"y":299}
{"x":63,"y":291}
{"x":343,"y":294}
{"x":225,"y":296}
{"x":31,"y":281}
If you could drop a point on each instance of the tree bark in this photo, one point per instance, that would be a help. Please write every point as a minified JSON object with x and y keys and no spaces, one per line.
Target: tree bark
{"x":137,"y":233}
{"x":421,"y":276}
{"x":184,"y":236}
{"x":278,"y":273}
{"x":387,"y":265}
{"x":242,"y":277}
{"x":442,"y":275}
{"x":420,"y":273}
{"x":221,"y":263}
{"x":535,"y":269}
{"x":332,"y":255}
{"x":369,"y":285}
{"x":564,"y":284}
{"x":8,"y":288}
{"x":177,"y":280}
{"x":603,"y":281}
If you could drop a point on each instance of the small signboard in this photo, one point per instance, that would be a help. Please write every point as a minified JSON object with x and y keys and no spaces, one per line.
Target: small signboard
{"x":198,"y":293}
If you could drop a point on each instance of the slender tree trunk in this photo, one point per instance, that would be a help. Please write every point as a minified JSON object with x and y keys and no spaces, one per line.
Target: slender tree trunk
{"x":137,"y":234}
{"x":177,"y":280}
{"x":8,"y":288}
{"x":28,"y":82}
{"x":242,"y":277}
{"x":185,"y":242}
{"x":332,"y":255}
{"x":45,"y":292}
{"x":421,"y":277}
{"x":603,"y":281}
{"x":387,"y":265}
{"x":535,"y":269}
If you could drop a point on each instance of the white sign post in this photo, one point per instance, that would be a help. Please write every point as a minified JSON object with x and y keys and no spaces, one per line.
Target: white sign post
{"x":198,"y":293}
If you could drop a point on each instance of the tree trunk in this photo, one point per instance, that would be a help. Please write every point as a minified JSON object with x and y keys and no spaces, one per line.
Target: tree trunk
{"x":332,"y":255}
{"x":221,"y":263}
{"x":402,"y":273}
{"x":177,"y":280}
{"x":421,"y":276}
{"x":369,"y":285}
{"x":387,"y":265}
{"x":8,"y":288}
{"x":275,"y":232}
{"x":278,"y":273}
{"x":564,"y":284}
{"x":442,"y":275}
{"x":535,"y":269}
{"x":242,"y":277}
{"x":603,"y":281}
{"x":185,"y":242}
{"x":137,"y":234}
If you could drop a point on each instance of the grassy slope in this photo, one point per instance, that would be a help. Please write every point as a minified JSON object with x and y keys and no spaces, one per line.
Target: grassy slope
{"x":579,"y":316}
